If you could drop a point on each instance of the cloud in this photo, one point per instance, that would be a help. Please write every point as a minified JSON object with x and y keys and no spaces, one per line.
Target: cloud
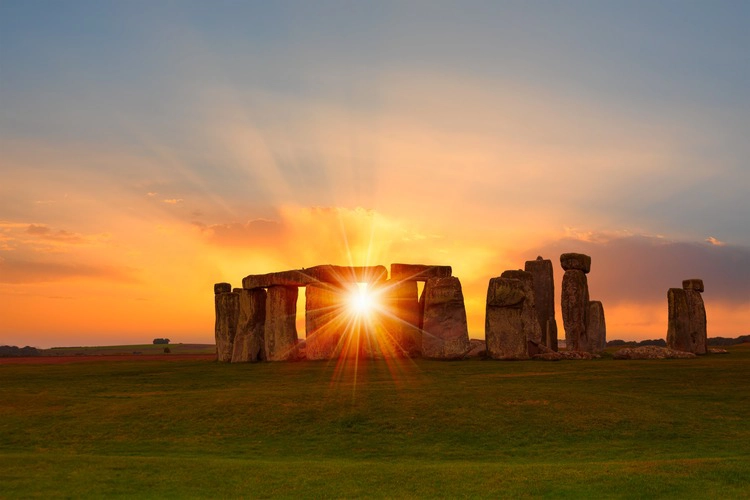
{"x":21,"y":271}
{"x":253,"y":232}
{"x":639,"y":269}
{"x":173,"y":201}
{"x":44,"y":232}
{"x":714,"y":241}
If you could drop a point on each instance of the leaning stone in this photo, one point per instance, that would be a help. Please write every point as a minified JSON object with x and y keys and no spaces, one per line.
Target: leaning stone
{"x":697,"y":321}
{"x":693,"y":284}
{"x":325,"y":321}
{"x":222,"y":288}
{"x":227,"y":311}
{"x":401,"y":319}
{"x":544,"y":295}
{"x":281,"y":329}
{"x":531,"y":327}
{"x":249,"y":341}
{"x":575,"y":309}
{"x":551,"y":334}
{"x":596,"y":331}
{"x":678,"y":321}
{"x":575,"y":261}
{"x":446,"y":335}
{"x":503,"y":326}
{"x":418,"y":272}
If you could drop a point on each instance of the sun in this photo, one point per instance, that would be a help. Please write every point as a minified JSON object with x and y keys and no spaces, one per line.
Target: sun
{"x":361,"y":301}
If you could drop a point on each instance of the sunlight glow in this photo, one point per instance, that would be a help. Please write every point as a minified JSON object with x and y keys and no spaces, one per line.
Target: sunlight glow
{"x":361,"y":300}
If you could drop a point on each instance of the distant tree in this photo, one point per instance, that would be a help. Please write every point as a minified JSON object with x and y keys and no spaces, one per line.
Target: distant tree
{"x":656,"y":342}
{"x":11,"y":351}
{"x":167,"y":350}
{"x":161,"y":341}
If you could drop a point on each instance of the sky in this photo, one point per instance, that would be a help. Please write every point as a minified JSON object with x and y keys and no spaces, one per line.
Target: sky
{"x":149,"y":149}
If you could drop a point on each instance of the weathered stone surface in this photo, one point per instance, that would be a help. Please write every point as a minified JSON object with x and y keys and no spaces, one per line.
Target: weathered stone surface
{"x":445,"y":335}
{"x":716,"y":350}
{"x":401,"y":319}
{"x":571,"y":355}
{"x":281,"y":330}
{"x":325,"y":321}
{"x":418,"y":272}
{"x":574,"y":303}
{"x":249,"y":341}
{"x":503,"y":324}
{"x":651,"y":352}
{"x":697,"y":321}
{"x":575,"y":261}
{"x":544,"y":296}
{"x":222,"y":288}
{"x":227,"y":305}
{"x":678,"y":321}
{"x":477,"y":349}
{"x":530,"y":322}
{"x":596,"y":330}
{"x":317,"y":274}
{"x":693,"y":284}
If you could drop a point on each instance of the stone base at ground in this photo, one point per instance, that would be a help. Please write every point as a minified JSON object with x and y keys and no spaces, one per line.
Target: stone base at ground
{"x":651,"y":352}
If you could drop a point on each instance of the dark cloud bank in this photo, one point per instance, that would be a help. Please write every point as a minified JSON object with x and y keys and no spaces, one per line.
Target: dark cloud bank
{"x":640,"y":269}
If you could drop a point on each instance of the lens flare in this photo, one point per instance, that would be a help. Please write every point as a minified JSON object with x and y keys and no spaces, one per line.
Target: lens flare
{"x":361,"y":301}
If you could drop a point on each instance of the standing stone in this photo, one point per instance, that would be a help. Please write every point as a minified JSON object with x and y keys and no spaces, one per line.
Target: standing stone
{"x":401,"y":318}
{"x":678,"y":321}
{"x":503,"y":324}
{"x":544,"y":299}
{"x":529,"y":318}
{"x":696,"y":315}
{"x":596,"y":331}
{"x":281,"y":329}
{"x":574,"y":300}
{"x":249,"y":341}
{"x":418,"y":272}
{"x":325,"y":321}
{"x":446,"y":334}
{"x":227,"y":305}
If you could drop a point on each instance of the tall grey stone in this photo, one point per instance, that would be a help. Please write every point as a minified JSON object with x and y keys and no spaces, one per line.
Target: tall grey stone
{"x":678,"y":321}
{"x":281,"y":329}
{"x":696,"y":314}
{"x":574,"y":302}
{"x":596,"y":331}
{"x":227,"y":305}
{"x":445,"y":332}
{"x":249,"y":341}
{"x":503,"y":324}
{"x":544,"y":298}
{"x":325,"y":321}
{"x":530,"y":321}
{"x":401,"y":316}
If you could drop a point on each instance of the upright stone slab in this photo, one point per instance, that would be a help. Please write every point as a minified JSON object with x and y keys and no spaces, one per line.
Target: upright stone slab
{"x":503,"y":324}
{"x":529,"y":318}
{"x":249,"y":341}
{"x":281,"y":329}
{"x":445,"y":335}
{"x":597,"y":328}
{"x":544,"y":298}
{"x":696,"y":315}
{"x":678,"y":321}
{"x":574,"y":300}
{"x":227,"y":305}
{"x":401,"y":318}
{"x":325,"y":321}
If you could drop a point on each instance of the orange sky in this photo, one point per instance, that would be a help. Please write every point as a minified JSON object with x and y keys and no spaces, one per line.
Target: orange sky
{"x":145,"y":156}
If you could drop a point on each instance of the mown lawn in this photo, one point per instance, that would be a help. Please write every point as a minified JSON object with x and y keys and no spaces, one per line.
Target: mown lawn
{"x":603,"y":428}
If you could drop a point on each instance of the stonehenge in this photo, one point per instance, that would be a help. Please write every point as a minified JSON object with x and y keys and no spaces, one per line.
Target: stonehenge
{"x":258,"y":322}
{"x":686,"y":320}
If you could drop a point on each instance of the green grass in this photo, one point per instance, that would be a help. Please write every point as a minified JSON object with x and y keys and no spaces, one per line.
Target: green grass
{"x":130,"y":349}
{"x":603,"y":428}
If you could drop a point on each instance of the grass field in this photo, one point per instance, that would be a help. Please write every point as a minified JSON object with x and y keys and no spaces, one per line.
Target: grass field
{"x":602,"y":428}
